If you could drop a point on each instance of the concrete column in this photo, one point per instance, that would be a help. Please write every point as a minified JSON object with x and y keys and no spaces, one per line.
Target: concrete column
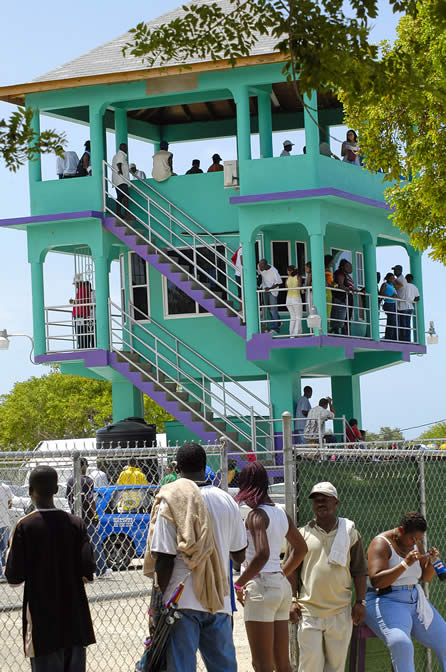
{"x":369,"y":249}
{"x":121,"y":127}
{"x":127,"y":401}
{"x":97,"y":150}
{"x":346,"y":393}
{"x":241,"y":96}
{"x":38,"y":300}
{"x":265,"y":125}
{"x":250,"y":288}
{"x":318,"y":276}
{"x":102,"y":295}
{"x":324,"y":133}
{"x":416,"y":270}
{"x":284,"y":390}
{"x":310,"y":123}
{"x":35,"y":167}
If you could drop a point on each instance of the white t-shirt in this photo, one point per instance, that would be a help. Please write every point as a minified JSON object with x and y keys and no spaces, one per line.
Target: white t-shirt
{"x":230,"y":535}
{"x":161,"y":168}
{"x":139,"y":175}
{"x":402,"y":294}
{"x":238,"y":262}
{"x":271,"y":277}
{"x":99,"y":477}
{"x":412,"y":293}
{"x":117,"y":178}
{"x":5,"y":497}
{"x":67,"y":164}
{"x":316,"y":416}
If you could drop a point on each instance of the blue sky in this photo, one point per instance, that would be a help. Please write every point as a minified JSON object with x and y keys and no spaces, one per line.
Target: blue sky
{"x":37,"y":41}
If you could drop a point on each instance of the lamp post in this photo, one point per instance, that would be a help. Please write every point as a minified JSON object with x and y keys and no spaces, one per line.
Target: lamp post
{"x":4,"y":342}
{"x":432,"y":336}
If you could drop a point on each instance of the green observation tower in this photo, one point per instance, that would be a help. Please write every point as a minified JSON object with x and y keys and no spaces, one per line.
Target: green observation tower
{"x":193,"y":327}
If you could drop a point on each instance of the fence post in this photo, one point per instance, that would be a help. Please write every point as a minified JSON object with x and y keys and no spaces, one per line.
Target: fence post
{"x":290,"y":507}
{"x":425,"y":541}
{"x":77,"y":493}
{"x":224,"y":465}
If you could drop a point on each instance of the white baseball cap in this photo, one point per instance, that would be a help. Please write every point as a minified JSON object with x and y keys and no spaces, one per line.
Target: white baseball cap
{"x":324,"y":488}
{"x":77,"y":278}
{"x":288,"y":142}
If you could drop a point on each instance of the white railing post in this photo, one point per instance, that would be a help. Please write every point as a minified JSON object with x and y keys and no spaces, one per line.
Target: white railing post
{"x":344,"y":429}
{"x":253,"y":431}
{"x":224,"y":464}
{"x":77,"y":490}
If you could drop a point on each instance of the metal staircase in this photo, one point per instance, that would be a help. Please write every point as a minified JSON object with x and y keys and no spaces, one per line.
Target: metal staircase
{"x":180,"y":248}
{"x":187,"y":385}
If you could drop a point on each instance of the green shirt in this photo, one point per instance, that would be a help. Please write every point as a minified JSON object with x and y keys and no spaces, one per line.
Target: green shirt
{"x":170,"y":478}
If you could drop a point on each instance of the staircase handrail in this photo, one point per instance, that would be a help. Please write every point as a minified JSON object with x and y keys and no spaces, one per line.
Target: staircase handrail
{"x":208,"y":234}
{"x":224,"y":375}
{"x":178,"y":251}
{"x":206,"y":392}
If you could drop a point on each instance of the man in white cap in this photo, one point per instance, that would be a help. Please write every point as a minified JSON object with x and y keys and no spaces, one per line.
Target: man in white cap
{"x":137,"y":174}
{"x":323,"y":583}
{"x":287,"y":147}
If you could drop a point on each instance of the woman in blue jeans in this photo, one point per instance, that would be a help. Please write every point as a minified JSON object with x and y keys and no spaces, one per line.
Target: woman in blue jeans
{"x":397,"y":608}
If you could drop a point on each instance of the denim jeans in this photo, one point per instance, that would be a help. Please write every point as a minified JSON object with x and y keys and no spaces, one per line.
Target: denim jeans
{"x":393,"y":618}
{"x":96,"y":543}
{"x":4,"y":536}
{"x":391,"y":330}
{"x":271,"y":309}
{"x":211,"y":634}
{"x":404,"y":324}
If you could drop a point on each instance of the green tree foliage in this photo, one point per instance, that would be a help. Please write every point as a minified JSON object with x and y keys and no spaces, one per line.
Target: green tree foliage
{"x":437,"y":431}
{"x":394,"y":96}
{"x":401,"y":120}
{"x":58,"y":406}
{"x":19,"y":143}
{"x":386,"y":434}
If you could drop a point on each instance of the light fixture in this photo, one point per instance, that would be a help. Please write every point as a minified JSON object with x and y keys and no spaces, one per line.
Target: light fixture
{"x":4,"y":342}
{"x":314,"y":320}
{"x":432,"y":336}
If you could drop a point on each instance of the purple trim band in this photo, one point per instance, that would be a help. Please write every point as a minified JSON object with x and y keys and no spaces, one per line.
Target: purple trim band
{"x":91,"y":358}
{"x":58,"y":217}
{"x":259,"y":346}
{"x":307,"y":193}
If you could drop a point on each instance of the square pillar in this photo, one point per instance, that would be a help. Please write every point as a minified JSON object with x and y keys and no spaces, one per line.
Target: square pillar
{"x":97,"y":152}
{"x":38,"y":307}
{"x":121,"y":127}
{"x":102,"y":295}
{"x":35,"y":166}
{"x":241,"y":97}
{"x":249,"y":279}
{"x":127,"y":401}
{"x":318,"y":276}
{"x":346,"y":393}
{"x":369,"y":249}
{"x":416,"y":257}
{"x":311,"y":124}
{"x":265,"y":125}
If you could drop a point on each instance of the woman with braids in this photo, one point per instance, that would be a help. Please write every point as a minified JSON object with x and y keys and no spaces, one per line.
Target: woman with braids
{"x":397,"y":608}
{"x":263,"y":587}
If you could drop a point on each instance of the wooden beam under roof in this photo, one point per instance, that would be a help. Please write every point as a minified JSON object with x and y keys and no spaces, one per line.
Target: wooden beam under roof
{"x":187,"y":112}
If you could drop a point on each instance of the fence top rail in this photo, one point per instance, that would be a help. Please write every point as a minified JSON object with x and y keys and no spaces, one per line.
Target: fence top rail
{"x":103,"y":453}
{"x":345,"y":449}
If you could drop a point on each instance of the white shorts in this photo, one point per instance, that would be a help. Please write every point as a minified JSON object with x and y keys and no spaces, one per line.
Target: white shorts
{"x":268,"y":598}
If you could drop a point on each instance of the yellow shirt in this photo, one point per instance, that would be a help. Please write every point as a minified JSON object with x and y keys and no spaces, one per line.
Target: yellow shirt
{"x":293,"y":281}
{"x":131,"y":476}
{"x":326,"y":589}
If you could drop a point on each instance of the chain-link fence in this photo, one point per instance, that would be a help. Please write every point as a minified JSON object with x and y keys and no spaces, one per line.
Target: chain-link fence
{"x":124,"y":483}
{"x":376,"y":486}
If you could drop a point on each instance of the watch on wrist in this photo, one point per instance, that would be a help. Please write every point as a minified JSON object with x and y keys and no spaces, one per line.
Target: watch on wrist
{"x":363,"y":602}
{"x":294,"y":600}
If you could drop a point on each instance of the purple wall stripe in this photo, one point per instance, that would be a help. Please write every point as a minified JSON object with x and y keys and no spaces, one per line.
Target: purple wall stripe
{"x":307,"y":193}
{"x":58,"y":217}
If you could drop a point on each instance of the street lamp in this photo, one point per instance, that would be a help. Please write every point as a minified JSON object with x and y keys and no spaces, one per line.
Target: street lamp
{"x":432,"y":336}
{"x":4,"y":342}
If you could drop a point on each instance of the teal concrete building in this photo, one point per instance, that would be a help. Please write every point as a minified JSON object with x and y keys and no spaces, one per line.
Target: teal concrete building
{"x":180,"y":334}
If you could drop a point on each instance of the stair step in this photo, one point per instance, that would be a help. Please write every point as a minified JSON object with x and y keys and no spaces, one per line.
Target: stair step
{"x":167,"y":385}
{"x":195,"y":405}
{"x":126,"y":356}
{"x":217,"y":425}
{"x":140,"y":241}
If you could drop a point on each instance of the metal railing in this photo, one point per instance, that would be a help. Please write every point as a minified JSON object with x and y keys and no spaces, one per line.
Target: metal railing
{"x":294,"y":324}
{"x":171,"y":360}
{"x":396,"y":325}
{"x":70,"y":327}
{"x":196,"y":252}
{"x":348,"y":312}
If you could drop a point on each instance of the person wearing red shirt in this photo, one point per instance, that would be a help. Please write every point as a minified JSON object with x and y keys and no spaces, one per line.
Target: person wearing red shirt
{"x":82,"y":313}
{"x":353,"y":432}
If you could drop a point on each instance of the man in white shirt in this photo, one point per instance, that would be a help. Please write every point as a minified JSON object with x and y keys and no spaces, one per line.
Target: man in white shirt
{"x":413,"y":296}
{"x":404,"y":308}
{"x":271,"y":280}
{"x":162,"y":163}
{"x":5,"y":505}
{"x":198,"y":628}
{"x":137,"y":174}
{"x":99,"y":476}
{"x":66,"y":165}
{"x":120,"y":178}
{"x":287,"y":147}
{"x":303,"y":407}
{"x":316,"y":419}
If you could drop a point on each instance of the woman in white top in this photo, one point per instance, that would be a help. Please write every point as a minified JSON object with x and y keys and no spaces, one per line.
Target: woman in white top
{"x":397,"y":608}
{"x":263,"y":587}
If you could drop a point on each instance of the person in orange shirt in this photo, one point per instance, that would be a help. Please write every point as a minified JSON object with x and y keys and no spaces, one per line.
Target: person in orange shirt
{"x":216,"y":166}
